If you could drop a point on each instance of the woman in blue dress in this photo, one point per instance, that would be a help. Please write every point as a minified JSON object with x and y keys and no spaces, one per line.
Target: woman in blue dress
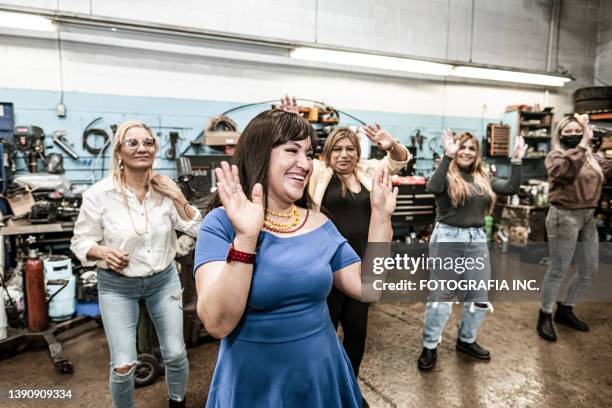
{"x":265,"y":262}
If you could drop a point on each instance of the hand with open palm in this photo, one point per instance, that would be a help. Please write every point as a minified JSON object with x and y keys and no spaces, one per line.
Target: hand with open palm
{"x":383,"y":196}
{"x":450,"y":146}
{"x":380,"y":136}
{"x":289,"y":105}
{"x":246,"y":216}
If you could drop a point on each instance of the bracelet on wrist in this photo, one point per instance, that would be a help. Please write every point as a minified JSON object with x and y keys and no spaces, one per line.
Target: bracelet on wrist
{"x":245,"y":257}
{"x":394,"y":145}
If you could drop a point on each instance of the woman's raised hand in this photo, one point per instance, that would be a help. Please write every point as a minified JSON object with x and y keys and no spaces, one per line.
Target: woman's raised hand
{"x":519,"y":149}
{"x":247,"y":216}
{"x":380,"y":136}
{"x":383,"y":195}
{"x":587,"y":130}
{"x":450,"y":146}
{"x":289,"y":104}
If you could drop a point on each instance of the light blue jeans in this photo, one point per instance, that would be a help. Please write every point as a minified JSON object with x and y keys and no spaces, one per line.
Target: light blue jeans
{"x":118,"y":296}
{"x":453,"y":242}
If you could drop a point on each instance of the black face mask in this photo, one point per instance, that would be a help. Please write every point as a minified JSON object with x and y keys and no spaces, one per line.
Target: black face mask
{"x":570,"y":141}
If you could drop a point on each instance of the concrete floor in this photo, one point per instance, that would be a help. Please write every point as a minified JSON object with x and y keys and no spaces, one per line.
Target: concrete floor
{"x":525,"y":371}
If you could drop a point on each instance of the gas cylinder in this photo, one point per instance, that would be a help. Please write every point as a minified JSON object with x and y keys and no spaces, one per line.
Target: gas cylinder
{"x":36,"y":305}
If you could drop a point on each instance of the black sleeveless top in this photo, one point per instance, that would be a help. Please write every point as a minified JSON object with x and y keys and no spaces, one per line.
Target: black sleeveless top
{"x":350,"y":214}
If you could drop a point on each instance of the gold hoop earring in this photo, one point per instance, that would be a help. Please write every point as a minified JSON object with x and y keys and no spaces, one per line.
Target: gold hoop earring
{"x":120,"y":164}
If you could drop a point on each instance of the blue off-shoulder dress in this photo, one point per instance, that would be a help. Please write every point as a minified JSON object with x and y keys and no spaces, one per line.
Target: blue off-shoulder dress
{"x":284,"y":352}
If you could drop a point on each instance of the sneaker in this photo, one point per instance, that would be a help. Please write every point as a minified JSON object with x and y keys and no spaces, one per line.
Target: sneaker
{"x":473,"y":349}
{"x":427,"y":359}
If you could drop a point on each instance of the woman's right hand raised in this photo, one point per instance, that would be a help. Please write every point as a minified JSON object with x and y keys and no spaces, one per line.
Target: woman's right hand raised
{"x":587,"y":131}
{"x":450,"y":146}
{"x":289,"y":104}
{"x":247,"y":216}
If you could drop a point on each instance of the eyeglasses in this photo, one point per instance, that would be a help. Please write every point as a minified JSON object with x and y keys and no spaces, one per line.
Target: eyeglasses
{"x":147,"y":143}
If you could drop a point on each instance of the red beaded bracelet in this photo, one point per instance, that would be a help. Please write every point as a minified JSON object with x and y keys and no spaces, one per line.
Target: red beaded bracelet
{"x":239,"y":256}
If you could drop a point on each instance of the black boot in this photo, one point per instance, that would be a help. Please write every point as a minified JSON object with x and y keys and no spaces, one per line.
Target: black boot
{"x":565,"y":315}
{"x":546,"y":329}
{"x":473,"y":349}
{"x":176,"y":404}
{"x":427,"y":359}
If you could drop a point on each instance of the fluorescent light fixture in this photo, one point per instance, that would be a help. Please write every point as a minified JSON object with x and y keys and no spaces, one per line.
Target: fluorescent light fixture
{"x":370,"y":61}
{"x":509,"y":76}
{"x":25,"y":21}
{"x":410,"y":65}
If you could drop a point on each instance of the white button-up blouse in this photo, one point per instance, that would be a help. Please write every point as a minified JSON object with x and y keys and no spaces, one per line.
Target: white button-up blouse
{"x":104,"y":220}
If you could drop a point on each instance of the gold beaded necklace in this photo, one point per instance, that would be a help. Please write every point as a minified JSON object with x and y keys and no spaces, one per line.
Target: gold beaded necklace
{"x":293,"y":216}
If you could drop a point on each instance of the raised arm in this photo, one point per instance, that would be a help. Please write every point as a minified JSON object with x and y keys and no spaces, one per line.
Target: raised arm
{"x":187,"y":218}
{"x":512,"y":185}
{"x":437,"y":182}
{"x":383,"y":198}
{"x":223,"y":287}
{"x":388,"y":143}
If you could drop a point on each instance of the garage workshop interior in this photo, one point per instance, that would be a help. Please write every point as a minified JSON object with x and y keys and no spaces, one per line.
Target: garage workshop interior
{"x":306,"y":204}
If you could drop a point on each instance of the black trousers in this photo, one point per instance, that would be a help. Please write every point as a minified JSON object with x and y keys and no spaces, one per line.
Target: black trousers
{"x":353,"y":315}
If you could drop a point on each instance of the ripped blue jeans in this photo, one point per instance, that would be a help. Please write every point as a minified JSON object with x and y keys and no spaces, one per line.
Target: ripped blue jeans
{"x":118,"y":297}
{"x":457,"y":243}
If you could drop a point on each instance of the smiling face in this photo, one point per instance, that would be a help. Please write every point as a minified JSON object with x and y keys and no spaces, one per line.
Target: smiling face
{"x":344,"y":156}
{"x":466,"y":155}
{"x":289,"y":172}
{"x":137,"y":151}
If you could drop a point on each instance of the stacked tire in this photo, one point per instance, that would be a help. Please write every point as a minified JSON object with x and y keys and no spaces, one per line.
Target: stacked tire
{"x":595,"y":99}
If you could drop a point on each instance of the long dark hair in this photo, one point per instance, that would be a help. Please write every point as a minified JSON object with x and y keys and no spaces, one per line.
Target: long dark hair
{"x":264,"y":132}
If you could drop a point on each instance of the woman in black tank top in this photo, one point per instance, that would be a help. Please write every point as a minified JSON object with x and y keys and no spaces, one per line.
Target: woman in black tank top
{"x":346,"y":201}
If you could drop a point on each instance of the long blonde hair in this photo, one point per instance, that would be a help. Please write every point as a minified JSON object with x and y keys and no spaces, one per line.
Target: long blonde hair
{"x":115,"y":171}
{"x":332,"y":140}
{"x":458,"y":189}
{"x":557,"y":146}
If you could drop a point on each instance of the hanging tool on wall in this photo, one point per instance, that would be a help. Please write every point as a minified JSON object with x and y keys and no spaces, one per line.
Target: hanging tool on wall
{"x":88,"y":132}
{"x":418,"y":139}
{"x":60,"y":138}
{"x":171,"y":152}
{"x":30,"y":140}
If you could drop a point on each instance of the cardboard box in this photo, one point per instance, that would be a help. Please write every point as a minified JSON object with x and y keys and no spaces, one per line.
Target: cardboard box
{"x":213,"y":138}
{"x":20,"y":200}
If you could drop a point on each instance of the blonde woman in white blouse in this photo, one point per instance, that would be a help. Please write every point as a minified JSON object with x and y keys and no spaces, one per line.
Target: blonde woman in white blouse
{"x":126,"y":227}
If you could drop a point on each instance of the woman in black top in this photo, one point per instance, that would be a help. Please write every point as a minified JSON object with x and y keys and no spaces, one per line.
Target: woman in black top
{"x":340,"y":184}
{"x":464,"y":195}
{"x":347,"y":203}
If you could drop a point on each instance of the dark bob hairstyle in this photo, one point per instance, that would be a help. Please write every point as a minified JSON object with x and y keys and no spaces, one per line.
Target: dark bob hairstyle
{"x":264,"y":132}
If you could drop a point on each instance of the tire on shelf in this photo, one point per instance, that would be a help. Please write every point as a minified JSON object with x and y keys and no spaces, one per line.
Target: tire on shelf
{"x":593,"y":99}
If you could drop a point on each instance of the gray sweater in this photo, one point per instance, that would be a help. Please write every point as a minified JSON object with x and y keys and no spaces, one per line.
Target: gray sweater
{"x":472,"y":212}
